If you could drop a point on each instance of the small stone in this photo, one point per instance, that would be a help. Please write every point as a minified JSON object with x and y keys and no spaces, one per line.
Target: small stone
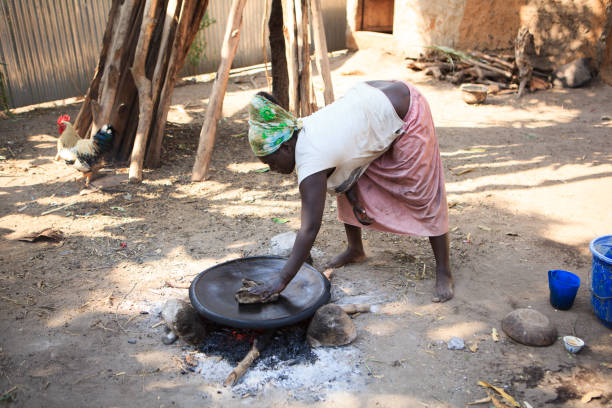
{"x":132,"y":341}
{"x":456,"y":343}
{"x":331,"y":326}
{"x":282,"y":245}
{"x":169,"y":338}
{"x":574,"y":74}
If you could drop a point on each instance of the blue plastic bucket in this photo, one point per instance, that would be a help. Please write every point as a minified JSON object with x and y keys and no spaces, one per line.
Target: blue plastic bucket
{"x":601,"y":279}
{"x":563,"y":287}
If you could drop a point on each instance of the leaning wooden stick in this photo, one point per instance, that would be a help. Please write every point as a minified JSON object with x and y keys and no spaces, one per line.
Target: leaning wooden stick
{"x":356,"y":308}
{"x":215,"y":104}
{"x":259,"y":344}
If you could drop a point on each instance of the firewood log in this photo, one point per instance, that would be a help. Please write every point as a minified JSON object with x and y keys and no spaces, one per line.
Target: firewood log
{"x":259,"y":345}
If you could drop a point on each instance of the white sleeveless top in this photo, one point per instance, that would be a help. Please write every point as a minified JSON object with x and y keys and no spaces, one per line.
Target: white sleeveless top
{"x":347,"y":135}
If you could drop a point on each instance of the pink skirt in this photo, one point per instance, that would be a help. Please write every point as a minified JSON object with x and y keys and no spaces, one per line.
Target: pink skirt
{"x":403,"y":190}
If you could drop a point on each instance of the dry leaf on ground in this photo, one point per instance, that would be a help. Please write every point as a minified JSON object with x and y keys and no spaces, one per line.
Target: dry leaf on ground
{"x":494,"y":334}
{"x":591,"y":395}
{"x":507,"y":397}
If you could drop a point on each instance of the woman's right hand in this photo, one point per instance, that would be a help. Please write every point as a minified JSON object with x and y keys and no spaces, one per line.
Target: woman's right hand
{"x":361,"y":215}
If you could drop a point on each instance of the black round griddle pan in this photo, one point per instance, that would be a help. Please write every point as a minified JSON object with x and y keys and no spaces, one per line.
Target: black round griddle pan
{"x":212,"y":294}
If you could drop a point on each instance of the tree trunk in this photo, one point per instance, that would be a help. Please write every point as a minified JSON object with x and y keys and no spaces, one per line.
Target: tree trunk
{"x":280,"y":78}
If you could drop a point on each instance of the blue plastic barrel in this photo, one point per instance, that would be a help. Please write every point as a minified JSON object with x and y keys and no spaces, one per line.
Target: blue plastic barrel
{"x":601,"y":279}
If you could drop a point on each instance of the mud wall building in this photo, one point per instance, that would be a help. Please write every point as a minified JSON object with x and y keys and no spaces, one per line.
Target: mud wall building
{"x":563,"y":29}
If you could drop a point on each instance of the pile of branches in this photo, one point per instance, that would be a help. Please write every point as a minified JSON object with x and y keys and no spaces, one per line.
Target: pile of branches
{"x":499,"y":72}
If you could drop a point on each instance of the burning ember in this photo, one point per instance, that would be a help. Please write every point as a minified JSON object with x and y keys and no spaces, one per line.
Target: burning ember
{"x":287,"y":344}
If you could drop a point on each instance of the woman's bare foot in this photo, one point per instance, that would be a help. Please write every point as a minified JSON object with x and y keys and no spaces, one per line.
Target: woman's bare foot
{"x":347,"y":257}
{"x":444,"y":288}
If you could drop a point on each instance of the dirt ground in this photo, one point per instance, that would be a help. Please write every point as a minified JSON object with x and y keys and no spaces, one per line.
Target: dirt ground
{"x":528,"y":184}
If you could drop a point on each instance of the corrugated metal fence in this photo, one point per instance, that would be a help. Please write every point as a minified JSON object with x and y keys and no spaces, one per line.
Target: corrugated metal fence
{"x":50,"y":48}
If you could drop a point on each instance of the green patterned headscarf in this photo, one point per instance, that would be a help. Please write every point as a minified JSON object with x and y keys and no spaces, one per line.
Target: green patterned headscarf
{"x":269,"y":125}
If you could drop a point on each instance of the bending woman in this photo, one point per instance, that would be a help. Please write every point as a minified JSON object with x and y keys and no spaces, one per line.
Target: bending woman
{"x":376,"y":149}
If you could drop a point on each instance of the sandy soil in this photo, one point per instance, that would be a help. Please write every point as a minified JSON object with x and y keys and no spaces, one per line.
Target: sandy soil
{"x":77,"y":316}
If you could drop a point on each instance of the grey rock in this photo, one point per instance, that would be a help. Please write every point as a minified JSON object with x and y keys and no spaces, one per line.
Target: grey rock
{"x":331,"y":326}
{"x":456,"y":343}
{"x":282,"y":244}
{"x":574,"y":74}
{"x":182,"y":319}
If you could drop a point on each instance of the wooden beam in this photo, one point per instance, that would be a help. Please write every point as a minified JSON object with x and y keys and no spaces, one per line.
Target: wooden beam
{"x":215,"y":105}
{"x":320,"y":44}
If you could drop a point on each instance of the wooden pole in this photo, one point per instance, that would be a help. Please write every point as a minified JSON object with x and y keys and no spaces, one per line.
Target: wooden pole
{"x":305,"y":79}
{"x":190,"y":14}
{"x":102,"y":108}
{"x":320,"y":44}
{"x":143,"y":84}
{"x":83,"y":120}
{"x":264,"y":43}
{"x":215,"y":105}
{"x":291,"y":52}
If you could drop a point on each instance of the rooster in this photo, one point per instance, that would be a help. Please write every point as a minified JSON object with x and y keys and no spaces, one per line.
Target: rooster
{"x":68,"y":137}
{"x":87,"y":154}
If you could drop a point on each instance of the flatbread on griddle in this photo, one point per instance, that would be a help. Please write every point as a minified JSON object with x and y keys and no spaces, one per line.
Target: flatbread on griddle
{"x":243,"y":296}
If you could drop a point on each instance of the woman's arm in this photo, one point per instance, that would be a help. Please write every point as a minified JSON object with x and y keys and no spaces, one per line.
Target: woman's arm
{"x":313,"y":191}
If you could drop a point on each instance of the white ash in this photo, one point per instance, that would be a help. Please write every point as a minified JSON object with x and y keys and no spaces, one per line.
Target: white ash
{"x":335,"y":369}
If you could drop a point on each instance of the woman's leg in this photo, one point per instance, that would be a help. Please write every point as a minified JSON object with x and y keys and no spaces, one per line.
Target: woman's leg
{"x":354,"y":253}
{"x":443,"y":290}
